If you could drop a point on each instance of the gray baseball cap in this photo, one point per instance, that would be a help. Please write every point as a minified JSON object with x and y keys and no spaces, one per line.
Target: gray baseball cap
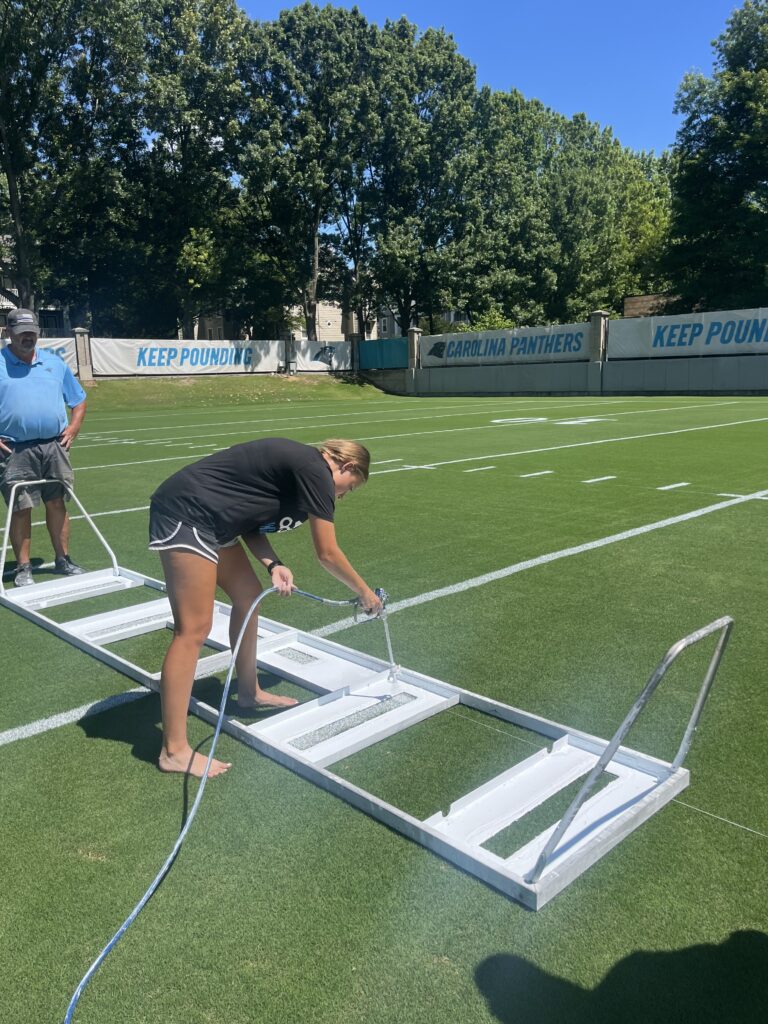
{"x":20,"y":321}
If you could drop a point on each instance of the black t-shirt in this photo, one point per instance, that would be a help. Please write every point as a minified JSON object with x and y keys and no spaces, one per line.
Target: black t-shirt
{"x":258,"y":487}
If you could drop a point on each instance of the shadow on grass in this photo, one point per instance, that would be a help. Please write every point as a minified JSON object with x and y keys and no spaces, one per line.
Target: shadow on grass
{"x":353,"y":379}
{"x":139,"y":723}
{"x":11,"y":566}
{"x":725,"y":984}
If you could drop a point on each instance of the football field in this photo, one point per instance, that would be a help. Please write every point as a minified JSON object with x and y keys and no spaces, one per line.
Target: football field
{"x":544,"y":552}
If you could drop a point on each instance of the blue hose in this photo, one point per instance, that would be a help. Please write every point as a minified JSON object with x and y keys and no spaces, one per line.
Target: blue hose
{"x":182,"y":835}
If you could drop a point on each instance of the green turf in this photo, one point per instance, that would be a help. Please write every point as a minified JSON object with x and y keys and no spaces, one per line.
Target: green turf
{"x":286,"y":905}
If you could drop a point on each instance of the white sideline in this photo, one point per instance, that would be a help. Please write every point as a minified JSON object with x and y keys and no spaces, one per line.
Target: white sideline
{"x":553,"y":556}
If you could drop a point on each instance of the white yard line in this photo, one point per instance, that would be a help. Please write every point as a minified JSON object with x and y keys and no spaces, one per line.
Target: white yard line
{"x":93,"y":515}
{"x":479,"y":469}
{"x":23,"y":732}
{"x":553,"y":448}
{"x":598,"y":479}
{"x":481,"y":405}
{"x":542,"y":472}
{"x":674,"y":487}
{"x":726,"y":821}
{"x":553,"y":556}
{"x":253,"y":428}
{"x":477,"y":458}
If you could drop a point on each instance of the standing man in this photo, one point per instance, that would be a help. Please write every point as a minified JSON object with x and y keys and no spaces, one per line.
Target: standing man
{"x":35,"y":438}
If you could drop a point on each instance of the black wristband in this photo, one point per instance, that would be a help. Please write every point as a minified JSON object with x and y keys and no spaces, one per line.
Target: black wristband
{"x":273,"y":565}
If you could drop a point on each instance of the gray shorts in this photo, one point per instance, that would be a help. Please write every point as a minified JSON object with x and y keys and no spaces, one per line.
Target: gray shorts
{"x":41,"y":459}
{"x":167,"y":532}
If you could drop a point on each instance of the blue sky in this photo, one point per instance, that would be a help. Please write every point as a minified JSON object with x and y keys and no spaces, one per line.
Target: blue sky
{"x":618,"y":61}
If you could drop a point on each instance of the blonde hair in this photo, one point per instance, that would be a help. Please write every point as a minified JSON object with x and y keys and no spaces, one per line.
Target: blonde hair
{"x":348,"y":453}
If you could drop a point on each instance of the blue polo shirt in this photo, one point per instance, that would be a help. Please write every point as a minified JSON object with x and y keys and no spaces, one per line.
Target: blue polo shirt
{"x":34,"y":396}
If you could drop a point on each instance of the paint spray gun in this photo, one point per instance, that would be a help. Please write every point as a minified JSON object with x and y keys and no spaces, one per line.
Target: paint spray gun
{"x":383,"y":596}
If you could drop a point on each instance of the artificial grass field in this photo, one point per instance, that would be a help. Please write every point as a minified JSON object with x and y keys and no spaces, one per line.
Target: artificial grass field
{"x":286,"y":906}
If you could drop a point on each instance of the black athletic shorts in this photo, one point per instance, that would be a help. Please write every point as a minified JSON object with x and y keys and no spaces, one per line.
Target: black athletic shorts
{"x":168,"y":532}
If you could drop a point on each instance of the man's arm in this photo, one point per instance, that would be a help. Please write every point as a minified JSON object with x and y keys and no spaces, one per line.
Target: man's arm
{"x":72,"y":429}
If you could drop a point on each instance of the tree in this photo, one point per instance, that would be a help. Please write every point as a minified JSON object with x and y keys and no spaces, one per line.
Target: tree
{"x":314,"y":71}
{"x":609,"y":214}
{"x":420,"y":185}
{"x":505,"y":277}
{"x":719,"y":258}
{"x":35,"y":39}
{"x":195,"y":103}
{"x":90,"y":144}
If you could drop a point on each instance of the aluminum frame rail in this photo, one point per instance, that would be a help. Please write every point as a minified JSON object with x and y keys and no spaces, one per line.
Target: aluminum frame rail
{"x":362,"y":701}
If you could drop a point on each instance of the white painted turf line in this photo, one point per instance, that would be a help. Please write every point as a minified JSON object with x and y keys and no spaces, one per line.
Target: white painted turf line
{"x":24,"y":732}
{"x":726,"y":821}
{"x":465,"y":430}
{"x":598,"y":479}
{"x":257,"y":426}
{"x":554,"y":556}
{"x":539,"y":451}
{"x":108,"y":436}
{"x":305,"y":424}
{"x":673,"y":487}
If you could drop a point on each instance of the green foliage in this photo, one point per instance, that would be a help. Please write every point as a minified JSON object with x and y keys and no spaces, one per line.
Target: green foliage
{"x":719,"y":258}
{"x":492,"y":319}
{"x":163,"y":160}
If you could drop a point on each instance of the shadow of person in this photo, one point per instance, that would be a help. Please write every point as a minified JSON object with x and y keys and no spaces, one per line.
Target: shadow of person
{"x":707,"y":984}
{"x":11,"y":566}
{"x":136,"y":723}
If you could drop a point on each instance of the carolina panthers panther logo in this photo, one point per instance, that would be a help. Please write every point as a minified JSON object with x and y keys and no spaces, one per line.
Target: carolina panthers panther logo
{"x":437,"y":350}
{"x":324,"y":355}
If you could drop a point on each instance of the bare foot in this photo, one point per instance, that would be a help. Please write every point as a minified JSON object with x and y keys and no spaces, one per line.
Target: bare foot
{"x":190,"y":763}
{"x":266,"y":700}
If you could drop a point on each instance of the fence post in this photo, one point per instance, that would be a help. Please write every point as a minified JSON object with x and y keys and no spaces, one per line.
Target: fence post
{"x":83,"y":353}
{"x":597,"y":349}
{"x":599,"y":322}
{"x":414,"y":336}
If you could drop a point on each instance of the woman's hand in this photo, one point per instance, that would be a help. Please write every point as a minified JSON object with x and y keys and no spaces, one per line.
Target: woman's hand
{"x":282,"y":578}
{"x":370,"y":603}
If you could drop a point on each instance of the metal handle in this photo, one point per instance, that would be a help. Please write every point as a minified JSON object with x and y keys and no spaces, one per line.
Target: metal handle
{"x":73,"y":496}
{"x":724,"y":626}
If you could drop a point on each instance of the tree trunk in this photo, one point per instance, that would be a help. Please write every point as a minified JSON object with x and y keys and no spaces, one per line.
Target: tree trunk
{"x":310,"y":295}
{"x":404,"y":308}
{"x":22,"y":278}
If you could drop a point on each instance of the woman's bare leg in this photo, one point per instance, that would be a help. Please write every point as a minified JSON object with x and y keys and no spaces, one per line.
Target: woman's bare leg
{"x":238,"y":580}
{"x":191,"y":582}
